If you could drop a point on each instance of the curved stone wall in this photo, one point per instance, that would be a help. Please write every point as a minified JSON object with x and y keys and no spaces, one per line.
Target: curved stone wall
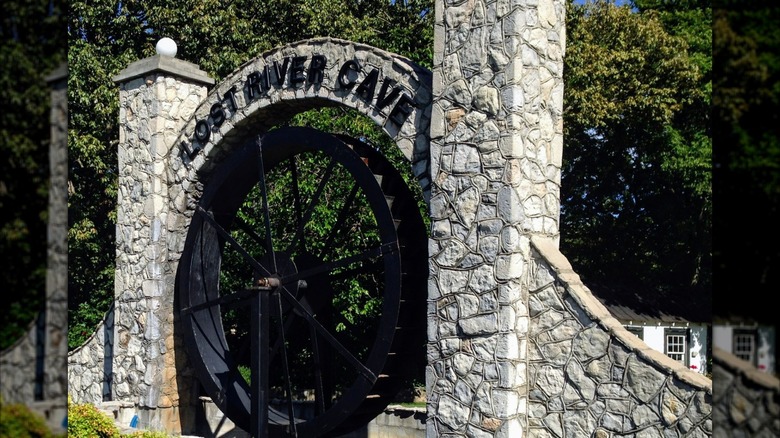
{"x":18,"y":375}
{"x":588,"y":376}
{"x":746,"y":401}
{"x":87,"y":365}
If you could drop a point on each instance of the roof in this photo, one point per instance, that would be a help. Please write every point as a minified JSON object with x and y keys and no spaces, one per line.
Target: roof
{"x":648,"y":306}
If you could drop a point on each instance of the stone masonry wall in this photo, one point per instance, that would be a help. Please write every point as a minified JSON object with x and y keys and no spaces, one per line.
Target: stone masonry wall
{"x":87,"y":367}
{"x":496,"y":150}
{"x":588,"y":376}
{"x":17,"y":366}
{"x":153,"y":108}
{"x":746,"y":400}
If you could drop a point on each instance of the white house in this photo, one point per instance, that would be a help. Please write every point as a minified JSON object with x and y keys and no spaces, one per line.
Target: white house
{"x":685,"y":342}
{"x":749,"y":340}
{"x":674,"y":324}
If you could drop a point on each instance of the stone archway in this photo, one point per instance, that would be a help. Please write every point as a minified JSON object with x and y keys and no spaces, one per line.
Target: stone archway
{"x":267,"y":91}
{"x":391,"y":90}
{"x":175,"y":126}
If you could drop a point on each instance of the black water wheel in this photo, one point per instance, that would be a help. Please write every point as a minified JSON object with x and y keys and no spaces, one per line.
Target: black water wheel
{"x":302,"y":287}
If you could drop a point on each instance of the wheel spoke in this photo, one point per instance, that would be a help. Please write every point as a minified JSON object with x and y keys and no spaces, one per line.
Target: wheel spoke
{"x":225,"y":235}
{"x":345,"y":353}
{"x":348,"y":273}
{"x":222,"y":348}
{"x":312,"y":204}
{"x":284,"y":326}
{"x":345,"y":209}
{"x":384,"y":249}
{"x":266,"y":213}
{"x":259,"y":399}
{"x":297,"y":201}
{"x":225,"y":301}
{"x":245,"y":227}
{"x":286,"y":367}
{"x":319,"y":390}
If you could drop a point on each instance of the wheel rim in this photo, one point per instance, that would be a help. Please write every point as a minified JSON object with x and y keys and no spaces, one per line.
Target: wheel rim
{"x":333,"y":250}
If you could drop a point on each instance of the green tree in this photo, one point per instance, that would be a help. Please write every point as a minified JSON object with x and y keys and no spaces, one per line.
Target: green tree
{"x":33,"y":45}
{"x":746,"y":53}
{"x":636,"y":183}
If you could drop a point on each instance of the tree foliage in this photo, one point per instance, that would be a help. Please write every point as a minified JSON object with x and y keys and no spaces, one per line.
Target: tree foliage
{"x":636,"y":185}
{"x":33,"y":45}
{"x":746,"y":53}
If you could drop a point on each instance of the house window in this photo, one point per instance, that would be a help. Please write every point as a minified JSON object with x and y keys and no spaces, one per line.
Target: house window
{"x":745,"y":345}
{"x":676,"y":344}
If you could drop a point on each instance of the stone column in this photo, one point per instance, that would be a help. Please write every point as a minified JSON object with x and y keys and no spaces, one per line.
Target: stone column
{"x":157,"y":95}
{"x":496,"y":144}
{"x":55,"y":379}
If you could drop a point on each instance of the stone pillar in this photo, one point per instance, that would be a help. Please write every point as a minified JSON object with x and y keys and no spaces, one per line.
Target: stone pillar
{"x":496,"y":145}
{"x":55,"y":379}
{"x":156,"y":96}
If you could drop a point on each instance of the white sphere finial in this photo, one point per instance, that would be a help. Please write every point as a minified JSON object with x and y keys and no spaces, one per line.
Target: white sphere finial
{"x":167,"y":47}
